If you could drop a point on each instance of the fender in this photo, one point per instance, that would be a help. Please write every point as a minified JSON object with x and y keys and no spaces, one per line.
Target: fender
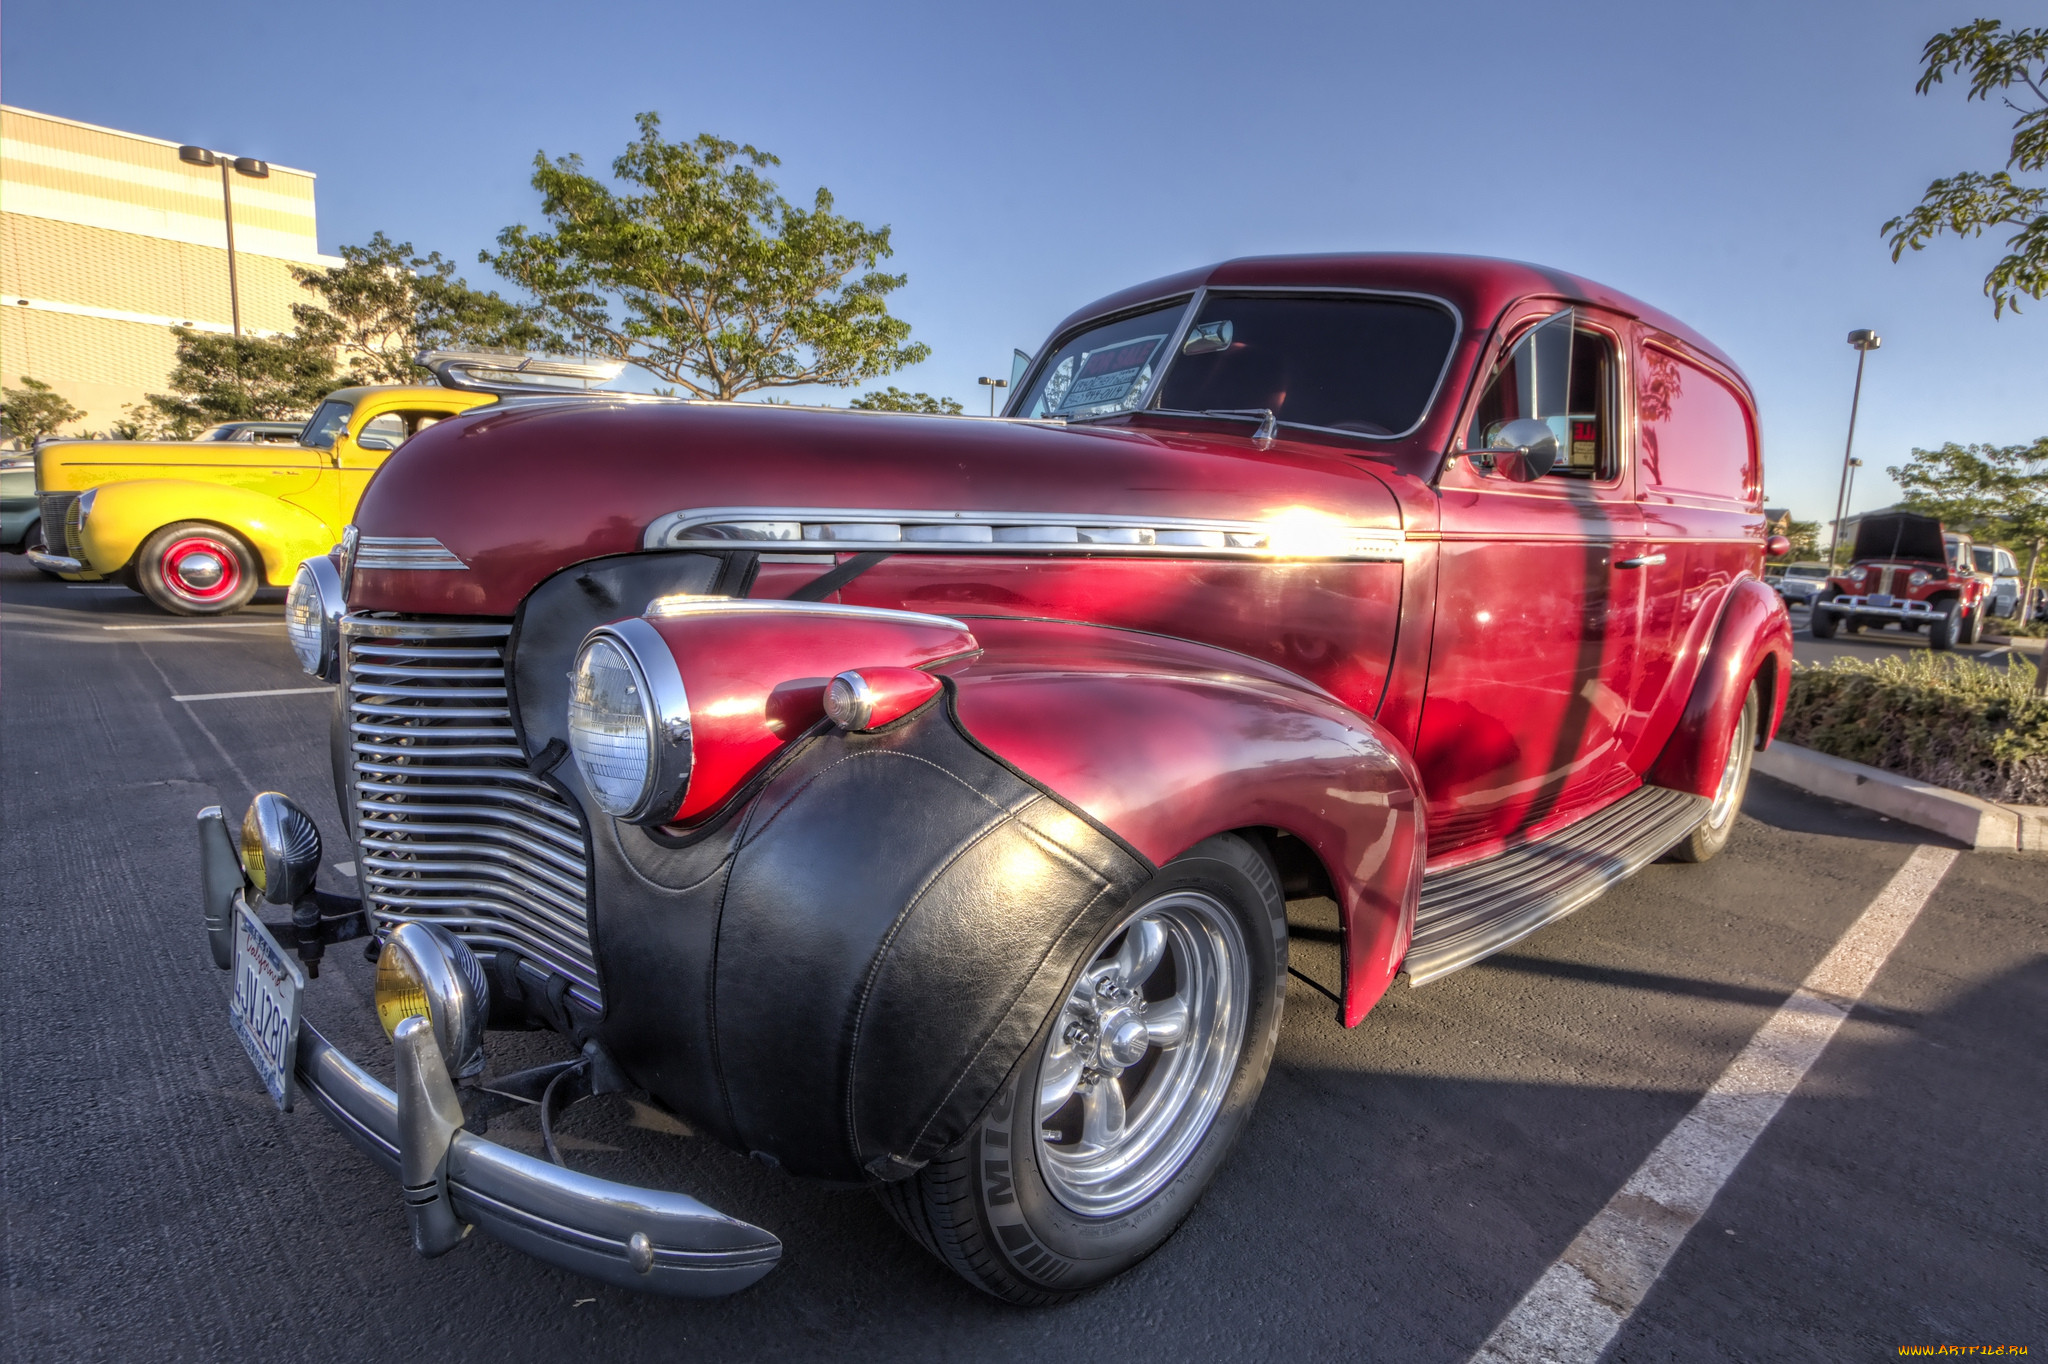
{"x":1165,"y":742}
{"x":124,"y":515}
{"x":1753,"y":638}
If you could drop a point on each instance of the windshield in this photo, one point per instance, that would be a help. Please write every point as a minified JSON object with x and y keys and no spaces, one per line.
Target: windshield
{"x":1358,"y":364}
{"x":326,"y":424}
{"x":1105,"y":369}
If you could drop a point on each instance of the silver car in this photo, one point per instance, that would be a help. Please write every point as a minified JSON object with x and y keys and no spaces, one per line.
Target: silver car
{"x":2004,"y":572}
{"x":1801,"y":583}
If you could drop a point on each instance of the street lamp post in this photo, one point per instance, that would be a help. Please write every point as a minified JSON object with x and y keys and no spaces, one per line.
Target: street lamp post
{"x":1865,"y":341}
{"x":993,"y":385}
{"x":241,"y":165}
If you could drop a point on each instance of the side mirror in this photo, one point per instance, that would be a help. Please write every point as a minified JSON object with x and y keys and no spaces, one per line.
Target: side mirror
{"x":1777,"y":547}
{"x":1522,"y":451}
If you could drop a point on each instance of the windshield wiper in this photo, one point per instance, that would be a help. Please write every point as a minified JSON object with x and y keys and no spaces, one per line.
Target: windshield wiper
{"x":1269,"y":424}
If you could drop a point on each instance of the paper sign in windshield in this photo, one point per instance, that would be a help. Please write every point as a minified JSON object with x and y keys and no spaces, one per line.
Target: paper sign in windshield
{"x":1108,"y":376}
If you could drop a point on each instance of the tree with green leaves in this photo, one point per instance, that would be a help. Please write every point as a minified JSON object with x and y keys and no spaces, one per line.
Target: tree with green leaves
{"x":240,"y":378}
{"x":697,"y":270}
{"x":34,"y":411}
{"x":2014,"y":66}
{"x":1996,"y":494}
{"x":1805,"y":538}
{"x":894,"y":399}
{"x":387,"y":303}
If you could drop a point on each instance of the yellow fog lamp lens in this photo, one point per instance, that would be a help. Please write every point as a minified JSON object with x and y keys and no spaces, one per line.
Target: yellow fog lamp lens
{"x":280,"y":848}
{"x":424,"y":971}
{"x":399,"y":992}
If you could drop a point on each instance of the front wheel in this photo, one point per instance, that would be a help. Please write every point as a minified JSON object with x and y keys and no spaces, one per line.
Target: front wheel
{"x":1823,"y":621}
{"x":1972,"y":626}
{"x":1126,"y":1103}
{"x":1714,"y":831}
{"x":195,"y":569}
{"x":1945,"y":629}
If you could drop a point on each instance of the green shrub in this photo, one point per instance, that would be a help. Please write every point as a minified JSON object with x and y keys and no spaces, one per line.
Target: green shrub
{"x":1934,"y":717}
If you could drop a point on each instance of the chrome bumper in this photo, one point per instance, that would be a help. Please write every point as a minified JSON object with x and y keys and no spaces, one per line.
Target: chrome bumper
{"x":55,"y":563}
{"x":1860,"y":606}
{"x":646,"y":1239}
{"x":452,"y":1179}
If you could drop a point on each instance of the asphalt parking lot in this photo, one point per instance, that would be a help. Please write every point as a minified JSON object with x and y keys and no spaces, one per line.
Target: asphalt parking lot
{"x":1868,"y":644}
{"x":1401,"y":1187}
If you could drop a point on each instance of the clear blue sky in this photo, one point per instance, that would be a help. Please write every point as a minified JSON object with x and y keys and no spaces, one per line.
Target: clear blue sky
{"x":1729,"y":163}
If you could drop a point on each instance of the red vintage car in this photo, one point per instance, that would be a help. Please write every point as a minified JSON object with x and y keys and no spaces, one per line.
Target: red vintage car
{"x":916,"y":801}
{"x":1904,"y":570}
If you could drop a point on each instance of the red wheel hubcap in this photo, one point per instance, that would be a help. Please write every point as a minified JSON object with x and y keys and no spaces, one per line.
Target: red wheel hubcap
{"x":200,"y":569}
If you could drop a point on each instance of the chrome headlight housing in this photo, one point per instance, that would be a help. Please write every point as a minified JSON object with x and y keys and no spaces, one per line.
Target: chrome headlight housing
{"x":312,"y":618}
{"x":629,"y":723}
{"x":280,"y":848}
{"x":350,"y":536}
{"x":424,"y":971}
{"x":1918,"y":577}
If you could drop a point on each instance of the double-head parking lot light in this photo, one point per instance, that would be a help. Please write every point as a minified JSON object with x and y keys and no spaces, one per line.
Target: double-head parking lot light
{"x":1865,"y":341}
{"x":992,"y":385}
{"x":241,"y":165}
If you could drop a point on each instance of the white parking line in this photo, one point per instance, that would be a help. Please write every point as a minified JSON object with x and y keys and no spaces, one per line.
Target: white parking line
{"x":201,"y":625}
{"x":94,"y":587}
{"x":1582,"y":1301}
{"x":238,"y":695}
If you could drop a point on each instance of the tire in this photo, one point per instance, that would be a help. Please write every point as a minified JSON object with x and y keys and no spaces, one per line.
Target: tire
{"x":1718,"y":827}
{"x":1822,"y":624}
{"x":1035,"y":1221}
{"x":171,"y":569}
{"x":1972,"y":626}
{"x":1944,"y":629}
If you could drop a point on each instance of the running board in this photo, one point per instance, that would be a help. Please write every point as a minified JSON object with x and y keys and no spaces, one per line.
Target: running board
{"x":1471,"y":912}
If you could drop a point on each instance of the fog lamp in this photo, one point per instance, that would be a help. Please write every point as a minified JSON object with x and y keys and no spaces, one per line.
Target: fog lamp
{"x":280,"y":848}
{"x":424,"y":971}
{"x":868,"y":698}
{"x":312,"y":618}
{"x":629,"y":723}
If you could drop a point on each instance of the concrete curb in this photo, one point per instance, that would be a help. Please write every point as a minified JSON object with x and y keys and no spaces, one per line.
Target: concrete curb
{"x":1967,"y":819}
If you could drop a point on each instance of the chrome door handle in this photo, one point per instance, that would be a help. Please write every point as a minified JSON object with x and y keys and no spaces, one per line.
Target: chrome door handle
{"x":1641,"y":561}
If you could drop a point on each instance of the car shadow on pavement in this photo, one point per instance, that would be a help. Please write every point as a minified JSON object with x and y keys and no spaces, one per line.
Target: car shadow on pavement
{"x":1784,"y":806}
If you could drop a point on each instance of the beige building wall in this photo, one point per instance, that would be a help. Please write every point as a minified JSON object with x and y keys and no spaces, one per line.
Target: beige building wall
{"x":108,"y":240}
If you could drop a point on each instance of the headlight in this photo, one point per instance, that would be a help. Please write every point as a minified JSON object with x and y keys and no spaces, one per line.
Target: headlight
{"x":424,"y":971}
{"x":629,"y":723}
{"x":312,"y":618}
{"x":280,"y":848}
{"x":1918,"y":577}
{"x":1854,"y":575}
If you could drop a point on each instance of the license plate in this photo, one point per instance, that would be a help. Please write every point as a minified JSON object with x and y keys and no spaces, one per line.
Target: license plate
{"x":264,"y":1007}
{"x":1880,"y":599}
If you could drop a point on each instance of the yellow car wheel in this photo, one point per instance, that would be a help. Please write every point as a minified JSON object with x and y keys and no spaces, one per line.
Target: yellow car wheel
{"x":195,"y":569}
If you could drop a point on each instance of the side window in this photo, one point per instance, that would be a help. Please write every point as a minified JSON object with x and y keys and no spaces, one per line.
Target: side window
{"x":1562,"y":374}
{"x":1695,"y":431}
{"x":396,"y":428}
{"x":387,"y":428}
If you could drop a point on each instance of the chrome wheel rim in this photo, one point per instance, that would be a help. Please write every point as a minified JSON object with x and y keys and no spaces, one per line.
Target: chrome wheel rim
{"x":199,"y":570}
{"x":1142,"y":1053}
{"x":1723,"y":808}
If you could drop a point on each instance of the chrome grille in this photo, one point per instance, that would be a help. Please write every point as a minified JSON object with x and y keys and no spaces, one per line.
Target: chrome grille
{"x":453,"y":828}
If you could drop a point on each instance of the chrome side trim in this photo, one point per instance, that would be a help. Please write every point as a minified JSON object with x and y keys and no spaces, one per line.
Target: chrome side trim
{"x":1013,"y":533}
{"x":422,"y":552}
{"x":666,"y":608}
{"x":596,"y":1227}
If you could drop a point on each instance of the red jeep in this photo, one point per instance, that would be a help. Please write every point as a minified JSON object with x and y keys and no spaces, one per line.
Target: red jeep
{"x":1904,"y":569}
{"x":916,"y":801}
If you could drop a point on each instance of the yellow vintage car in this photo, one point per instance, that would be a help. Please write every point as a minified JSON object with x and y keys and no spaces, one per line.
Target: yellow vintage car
{"x":199,"y":526}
